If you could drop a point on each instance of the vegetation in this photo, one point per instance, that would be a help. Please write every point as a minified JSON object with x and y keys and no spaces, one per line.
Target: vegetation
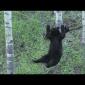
{"x":28,"y":29}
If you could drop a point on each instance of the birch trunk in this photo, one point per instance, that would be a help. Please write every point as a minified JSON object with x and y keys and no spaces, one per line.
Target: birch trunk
{"x":9,"y":41}
{"x":59,"y":18}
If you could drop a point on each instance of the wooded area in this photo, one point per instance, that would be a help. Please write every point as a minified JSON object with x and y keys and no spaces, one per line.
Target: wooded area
{"x":27,"y":42}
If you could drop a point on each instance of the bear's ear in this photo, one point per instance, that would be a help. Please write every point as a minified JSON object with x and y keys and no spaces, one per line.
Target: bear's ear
{"x":66,"y":28}
{"x":48,"y":28}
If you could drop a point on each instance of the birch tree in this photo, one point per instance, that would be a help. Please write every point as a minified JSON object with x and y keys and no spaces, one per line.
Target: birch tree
{"x":58,"y":22}
{"x":9,"y":41}
{"x":83,"y":28}
{"x":59,"y":19}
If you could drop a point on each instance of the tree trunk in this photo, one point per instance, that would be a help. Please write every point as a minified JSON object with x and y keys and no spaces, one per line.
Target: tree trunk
{"x":58,"y":22}
{"x":9,"y":41}
{"x":59,"y":19}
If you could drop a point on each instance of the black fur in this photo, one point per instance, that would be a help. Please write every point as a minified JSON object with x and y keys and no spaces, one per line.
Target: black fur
{"x":55,"y":50}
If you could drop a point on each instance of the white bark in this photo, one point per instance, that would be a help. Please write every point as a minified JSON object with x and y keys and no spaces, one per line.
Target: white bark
{"x":9,"y":41}
{"x":83,"y":29}
{"x":59,"y":18}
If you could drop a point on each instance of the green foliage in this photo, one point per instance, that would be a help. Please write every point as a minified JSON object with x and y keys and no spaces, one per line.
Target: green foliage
{"x":29,"y":44}
{"x":2,"y":45}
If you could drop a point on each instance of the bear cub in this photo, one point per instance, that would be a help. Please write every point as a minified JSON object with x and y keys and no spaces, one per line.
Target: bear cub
{"x":55,"y":35}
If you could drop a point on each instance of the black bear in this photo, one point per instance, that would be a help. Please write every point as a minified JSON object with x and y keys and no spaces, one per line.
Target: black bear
{"x":55,"y":35}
